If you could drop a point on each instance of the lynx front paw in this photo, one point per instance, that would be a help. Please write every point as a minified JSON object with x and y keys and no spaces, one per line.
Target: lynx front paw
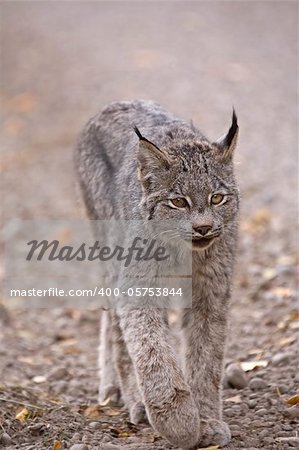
{"x":138,"y":413}
{"x":178,"y":422}
{"x":110,"y":393}
{"x":214,"y":432}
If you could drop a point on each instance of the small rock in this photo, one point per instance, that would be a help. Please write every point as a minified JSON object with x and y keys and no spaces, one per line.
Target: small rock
{"x":293,"y":412}
{"x":282,"y":434}
{"x":236,"y":409}
{"x":263,"y":434}
{"x":283,"y":389}
{"x":94,"y":425}
{"x":252,"y":404}
{"x":58,"y":374}
{"x":235,"y":376}
{"x":60,"y":387}
{"x":289,"y":441}
{"x":76,"y":437}
{"x":37,"y":427}
{"x":5,"y":439}
{"x":228,"y":412}
{"x":269,"y":440}
{"x":285,"y":270}
{"x":287,"y":427}
{"x":261,"y":412}
{"x":281,"y":359}
{"x":257,"y":383}
{"x":79,"y":447}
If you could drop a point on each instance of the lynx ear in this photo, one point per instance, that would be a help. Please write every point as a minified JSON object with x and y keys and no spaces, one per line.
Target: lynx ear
{"x":151,"y":161}
{"x":228,"y":142}
{"x":149,"y":156}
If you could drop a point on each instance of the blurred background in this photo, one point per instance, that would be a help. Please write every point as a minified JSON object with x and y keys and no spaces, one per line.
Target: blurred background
{"x":61,"y":62}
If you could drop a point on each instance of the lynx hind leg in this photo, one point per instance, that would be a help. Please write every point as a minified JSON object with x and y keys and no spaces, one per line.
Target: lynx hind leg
{"x":109,"y":384}
{"x":127,"y":376}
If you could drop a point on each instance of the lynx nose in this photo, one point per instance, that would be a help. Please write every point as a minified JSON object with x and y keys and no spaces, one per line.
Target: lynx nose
{"x":202,"y":229}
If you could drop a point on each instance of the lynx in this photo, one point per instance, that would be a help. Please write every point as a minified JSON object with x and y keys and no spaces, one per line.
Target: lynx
{"x":135,"y":160}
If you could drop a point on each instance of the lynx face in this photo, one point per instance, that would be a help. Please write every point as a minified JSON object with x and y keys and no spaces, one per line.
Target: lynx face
{"x":191,"y":181}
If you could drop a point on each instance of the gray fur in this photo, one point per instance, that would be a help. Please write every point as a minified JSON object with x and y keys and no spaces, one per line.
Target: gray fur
{"x":128,"y":176}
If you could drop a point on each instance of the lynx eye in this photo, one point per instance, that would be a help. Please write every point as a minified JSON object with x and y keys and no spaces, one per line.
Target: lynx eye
{"x":216,"y":199}
{"x":179,"y":202}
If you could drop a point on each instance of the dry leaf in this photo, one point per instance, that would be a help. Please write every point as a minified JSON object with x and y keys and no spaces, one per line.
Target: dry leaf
{"x":269,"y":274}
{"x":22,"y":414}
{"x":235,"y":399}
{"x":23,"y":103}
{"x":294,"y":325}
{"x":122,"y":434}
{"x":92,"y":412}
{"x":255,"y":351}
{"x":57,"y":445}
{"x":283,"y":292}
{"x":294,"y":400}
{"x":250,"y":365}
{"x":112,"y":411}
{"x":63,"y":235}
{"x":71,"y":350}
{"x":294,"y":315}
{"x":286,"y":341}
{"x":258,"y":222}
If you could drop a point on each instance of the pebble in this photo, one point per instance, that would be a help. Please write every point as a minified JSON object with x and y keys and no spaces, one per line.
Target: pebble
{"x":283,"y":434}
{"x":281,"y":359}
{"x":76,"y":437}
{"x":293,"y":412}
{"x":289,"y":439}
{"x":37,"y":427}
{"x":269,"y":440}
{"x":94,"y":425}
{"x":261,"y":412}
{"x":236,"y":376}
{"x":287,"y":427}
{"x":285,"y":270}
{"x":257,"y":383}
{"x":283,"y":389}
{"x":60,"y":387}
{"x":58,"y":374}
{"x":5,"y":439}
{"x":236,"y":409}
{"x":263,"y":434}
{"x":254,"y":396}
{"x":229,"y":412}
{"x":256,"y":423}
{"x":252,"y":403}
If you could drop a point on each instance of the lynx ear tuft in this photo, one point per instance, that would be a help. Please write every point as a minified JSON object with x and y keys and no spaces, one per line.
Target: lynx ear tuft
{"x":228,"y":142}
{"x":138,"y":132}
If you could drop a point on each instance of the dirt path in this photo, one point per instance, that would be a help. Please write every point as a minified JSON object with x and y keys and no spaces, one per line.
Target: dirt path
{"x":61,"y":62}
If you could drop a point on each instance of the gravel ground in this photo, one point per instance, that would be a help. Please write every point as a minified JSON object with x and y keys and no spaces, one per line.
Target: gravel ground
{"x":60,"y":63}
